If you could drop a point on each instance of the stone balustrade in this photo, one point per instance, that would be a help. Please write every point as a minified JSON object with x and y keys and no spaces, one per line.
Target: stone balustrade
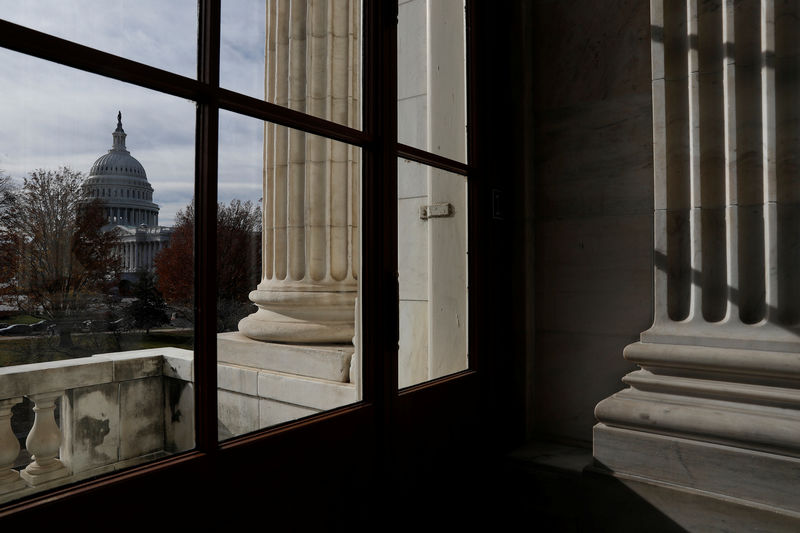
{"x":120,"y":409}
{"x":116,"y":410}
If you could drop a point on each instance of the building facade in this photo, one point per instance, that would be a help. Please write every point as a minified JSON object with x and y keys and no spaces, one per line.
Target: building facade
{"x":120,"y":181}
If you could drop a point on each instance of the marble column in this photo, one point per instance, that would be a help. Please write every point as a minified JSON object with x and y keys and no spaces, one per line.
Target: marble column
{"x":310,"y":240}
{"x":715,"y":406}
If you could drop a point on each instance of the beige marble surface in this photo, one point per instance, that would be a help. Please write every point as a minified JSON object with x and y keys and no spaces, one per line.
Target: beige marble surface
{"x":594,"y":200}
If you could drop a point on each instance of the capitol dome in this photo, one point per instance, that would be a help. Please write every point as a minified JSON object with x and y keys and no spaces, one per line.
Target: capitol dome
{"x":120,"y":181}
{"x":118,"y":162}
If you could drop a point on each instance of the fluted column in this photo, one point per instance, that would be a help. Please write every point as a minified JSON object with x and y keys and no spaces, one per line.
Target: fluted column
{"x":9,"y":449}
{"x":310,"y":256}
{"x":43,"y":441}
{"x":719,"y":384}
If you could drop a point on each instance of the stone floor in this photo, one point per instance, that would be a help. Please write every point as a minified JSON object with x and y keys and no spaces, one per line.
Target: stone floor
{"x":538,"y":487}
{"x":553,"y":487}
{"x":548,"y":486}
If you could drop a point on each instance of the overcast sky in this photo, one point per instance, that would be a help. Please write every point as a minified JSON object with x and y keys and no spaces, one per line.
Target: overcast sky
{"x":53,"y":116}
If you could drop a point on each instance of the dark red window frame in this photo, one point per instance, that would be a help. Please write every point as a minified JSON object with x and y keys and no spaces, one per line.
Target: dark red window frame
{"x":373,"y":422}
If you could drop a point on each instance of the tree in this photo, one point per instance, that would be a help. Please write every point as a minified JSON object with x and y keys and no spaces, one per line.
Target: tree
{"x":174,"y":264}
{"x":6,"y":191}
{"x":238,"y":261}
{"x":57,"y":260}
{"x":149,"y":309}
{"x":7,"y":258}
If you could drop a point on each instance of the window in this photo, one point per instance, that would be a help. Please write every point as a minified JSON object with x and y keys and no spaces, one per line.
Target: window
{"x":373,"y":140}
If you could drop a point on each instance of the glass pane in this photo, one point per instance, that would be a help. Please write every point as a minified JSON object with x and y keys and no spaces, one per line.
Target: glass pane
{"x":297,"y":54}
{"x":92,"y":333}
{"x":431,"y":74}
{"x":288,"y":274}
{"x":154,"y":32}
{"x":432,"y":266}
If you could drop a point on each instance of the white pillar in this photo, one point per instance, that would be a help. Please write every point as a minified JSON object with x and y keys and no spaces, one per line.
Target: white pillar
{"x":718,"y":392}
{"x":310,"y":257}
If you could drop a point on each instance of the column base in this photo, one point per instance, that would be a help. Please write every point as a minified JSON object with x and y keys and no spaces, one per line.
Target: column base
{"x":301,"y":317}
{"x":715,"y":420}
{"x":683,"y":507}
{"x":757,"y":480}
{"x":331,"y":362}
{"x":252,"y":398}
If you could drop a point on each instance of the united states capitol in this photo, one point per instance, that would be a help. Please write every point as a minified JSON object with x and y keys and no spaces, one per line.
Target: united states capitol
{"x":120,"y":180}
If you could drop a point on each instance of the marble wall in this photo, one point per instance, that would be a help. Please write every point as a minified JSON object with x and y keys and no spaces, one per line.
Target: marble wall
{"x":594,"y":204}
{"x":431,"y":251}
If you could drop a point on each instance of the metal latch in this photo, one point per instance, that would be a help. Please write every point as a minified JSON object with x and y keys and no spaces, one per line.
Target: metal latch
{"x":436,"y":211}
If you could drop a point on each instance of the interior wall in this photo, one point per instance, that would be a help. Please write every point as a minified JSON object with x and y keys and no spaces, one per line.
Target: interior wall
{"x":593,"y":204}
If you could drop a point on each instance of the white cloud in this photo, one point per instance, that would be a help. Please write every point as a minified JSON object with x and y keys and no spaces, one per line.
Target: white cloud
{"x":159,"y":33}
{"x":55,"y":116}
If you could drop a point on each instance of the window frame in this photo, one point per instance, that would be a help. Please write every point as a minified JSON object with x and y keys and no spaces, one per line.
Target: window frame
{"x":385,"y":415}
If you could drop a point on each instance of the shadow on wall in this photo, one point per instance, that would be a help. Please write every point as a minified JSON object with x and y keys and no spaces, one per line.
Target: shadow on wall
{"x":771,"y":314}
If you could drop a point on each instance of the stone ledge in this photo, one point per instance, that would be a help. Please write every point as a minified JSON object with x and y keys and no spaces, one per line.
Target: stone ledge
{"x":717,"y":360}
{"x":764,"y":480}
{"x":303,"y":391}
{"x":681,"y":509}
{"x":738,"y":424}
{"x":79,"y":476}
{"x":37,"y":378}
{"x":331,"y":362}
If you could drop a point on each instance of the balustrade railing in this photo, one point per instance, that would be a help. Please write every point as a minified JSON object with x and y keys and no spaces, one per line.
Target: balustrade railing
{"x":110,"y":411}
{"x":115,"y":410}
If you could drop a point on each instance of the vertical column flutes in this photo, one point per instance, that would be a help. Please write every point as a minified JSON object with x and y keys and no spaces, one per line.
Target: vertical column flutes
{"x":731,"y":168}
{"x":768,"y":155}
{"x":661,"y":313}
{"x":695,"y":193}
{"x":318,"y":172}
{"x":307,"y":292}
{"x":296,"y":186}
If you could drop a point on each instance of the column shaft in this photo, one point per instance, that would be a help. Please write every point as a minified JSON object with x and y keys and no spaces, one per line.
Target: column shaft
{"x":309,"y":269}
{"x":718,"y":391}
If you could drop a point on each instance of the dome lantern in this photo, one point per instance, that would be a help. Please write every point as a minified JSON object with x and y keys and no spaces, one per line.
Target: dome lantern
{"x":118,"y":162}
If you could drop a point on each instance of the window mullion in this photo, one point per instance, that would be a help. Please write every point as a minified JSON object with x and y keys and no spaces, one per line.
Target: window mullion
{"x":284,"y":116}
{"x":206,"y":157}
{"x":62,"y":51}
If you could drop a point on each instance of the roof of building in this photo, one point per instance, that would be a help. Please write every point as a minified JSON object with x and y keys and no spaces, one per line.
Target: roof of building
{"x":118,"y":161}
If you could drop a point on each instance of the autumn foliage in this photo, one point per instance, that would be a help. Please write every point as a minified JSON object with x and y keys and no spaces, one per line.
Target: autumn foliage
{"x":55,"y":258}
{"x":175,"y":264}
{"x":238,"y":261}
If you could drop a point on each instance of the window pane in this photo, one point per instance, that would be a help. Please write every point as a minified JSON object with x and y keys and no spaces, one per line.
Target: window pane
{"x":154,"y":32}
{"x":431,"y":89}
{"x":288,"y":274}
{"x":89,"y":196}
{"x":432,"y":266}
{"x":297,"y":54}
